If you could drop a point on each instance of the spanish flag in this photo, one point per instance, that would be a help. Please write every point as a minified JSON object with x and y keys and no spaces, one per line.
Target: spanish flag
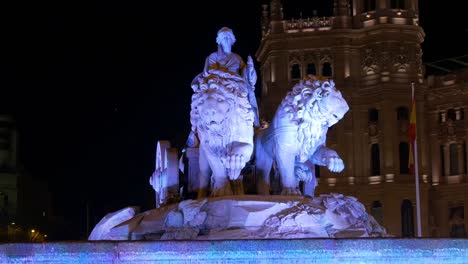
{"x":412,"y":130}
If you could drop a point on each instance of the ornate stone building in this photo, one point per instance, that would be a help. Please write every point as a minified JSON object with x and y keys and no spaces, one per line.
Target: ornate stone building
{"x":372,"y":50}
{"x":9,"y":176}
{"x":25,"y":203}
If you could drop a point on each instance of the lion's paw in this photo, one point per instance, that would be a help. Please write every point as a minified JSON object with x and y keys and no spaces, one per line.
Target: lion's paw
{"x":291,"y":192}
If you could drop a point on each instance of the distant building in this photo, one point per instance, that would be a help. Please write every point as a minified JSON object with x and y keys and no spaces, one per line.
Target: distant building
{"x":372,"y":50}
{"x":25,"y":204}
{"x":9,"y":173}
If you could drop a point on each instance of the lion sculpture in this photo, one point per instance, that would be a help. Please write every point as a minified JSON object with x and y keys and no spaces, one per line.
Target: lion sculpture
{"x":295,"y":139}
{"x":222,"y":118}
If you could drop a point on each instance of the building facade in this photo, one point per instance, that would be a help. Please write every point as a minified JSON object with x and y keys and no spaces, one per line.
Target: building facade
{"x":372,"y":50}
{"x":9,"y":175}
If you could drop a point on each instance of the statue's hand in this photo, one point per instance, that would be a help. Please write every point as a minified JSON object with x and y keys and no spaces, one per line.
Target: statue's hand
{"x":234,"y":164}
{"x":335,"y":163}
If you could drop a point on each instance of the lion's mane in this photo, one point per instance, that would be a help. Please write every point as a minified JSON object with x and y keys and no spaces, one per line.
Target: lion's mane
{"x":301,"y":106}
{"x":240,"y":112}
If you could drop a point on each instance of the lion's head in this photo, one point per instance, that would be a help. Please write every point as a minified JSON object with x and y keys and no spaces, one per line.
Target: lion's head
{"x":313,"y":105}
{"x":218,"y":109}
{"x":314,"y":100}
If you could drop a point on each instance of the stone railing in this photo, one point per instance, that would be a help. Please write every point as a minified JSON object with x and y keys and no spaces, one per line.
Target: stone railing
{"x":314,"y":23}
{"x":368,"y":250}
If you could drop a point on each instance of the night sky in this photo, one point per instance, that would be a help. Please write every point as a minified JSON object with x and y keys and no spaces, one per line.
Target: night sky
{"x":94,"y":85}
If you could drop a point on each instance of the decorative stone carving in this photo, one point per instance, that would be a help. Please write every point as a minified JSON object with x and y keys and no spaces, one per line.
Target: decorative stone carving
{"x":314,"y":23}
{"x":401,"y":60}
{"x":165,"y":178}
{"x":385,"y":61}
{"x":253,"y":217}
{"x":369,"y":62}
{"x":418,"y":60}
{"x":298,"y":134}
{"x":102,"y":229}
{"x":325,"y":56}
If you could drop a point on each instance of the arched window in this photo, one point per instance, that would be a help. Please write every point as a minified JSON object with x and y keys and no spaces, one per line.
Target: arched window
{"x":311,"y":69}
{"x":404,"y":158}
{"x":375,"y":160}
{"x":326,"y":69}
{"x":369,"y":5}
{"x":377,"y":212}
{"x":373,"y":115}
{"x":407,"y":222}
{"x":454,"y":159}
{"x":295,"y":71}
{"x":402,"y":113}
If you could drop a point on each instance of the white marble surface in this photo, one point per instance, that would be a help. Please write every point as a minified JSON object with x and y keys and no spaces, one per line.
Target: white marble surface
{"x":252,"y":217}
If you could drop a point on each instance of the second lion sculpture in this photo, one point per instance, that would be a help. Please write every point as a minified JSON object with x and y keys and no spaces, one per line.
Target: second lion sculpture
{"x":297,"y":136}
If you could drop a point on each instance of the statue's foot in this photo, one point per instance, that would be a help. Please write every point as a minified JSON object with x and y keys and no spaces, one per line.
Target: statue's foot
{"x":291,"y":192}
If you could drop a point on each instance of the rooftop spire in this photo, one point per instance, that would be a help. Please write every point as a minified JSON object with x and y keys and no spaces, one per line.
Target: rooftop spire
{"x":276,"y":10}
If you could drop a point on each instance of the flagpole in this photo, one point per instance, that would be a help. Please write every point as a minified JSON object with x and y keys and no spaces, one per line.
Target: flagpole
{"x":416,"y":175}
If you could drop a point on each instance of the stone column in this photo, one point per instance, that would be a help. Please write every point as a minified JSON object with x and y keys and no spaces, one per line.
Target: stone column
{"x":435,"y":147}
{"x":461,"y":165}
{"x":446,"y":160}
{"x":388,"y":123}
{"x":423,"y":147}
{"x":435,"y":150}
{"x":465,"y":123}
{"x":465,"y":208}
